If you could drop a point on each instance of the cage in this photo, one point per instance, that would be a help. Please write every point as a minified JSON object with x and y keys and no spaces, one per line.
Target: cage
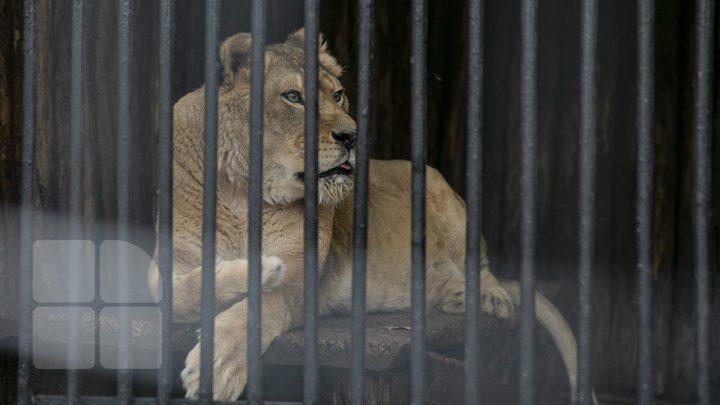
{"x":583,"y":136}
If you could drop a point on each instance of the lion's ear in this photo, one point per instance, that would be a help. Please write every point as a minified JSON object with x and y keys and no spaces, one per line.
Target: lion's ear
{"x":234,"y":52}
{"x":326,"y":60}
{"x":297,"y":39}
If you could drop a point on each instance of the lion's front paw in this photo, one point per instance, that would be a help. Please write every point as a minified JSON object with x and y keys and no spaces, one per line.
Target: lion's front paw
{"x":191,"y":373}
{"x":496,"y":301}
{"x":273,"y":271}
{"x":229,"y":377}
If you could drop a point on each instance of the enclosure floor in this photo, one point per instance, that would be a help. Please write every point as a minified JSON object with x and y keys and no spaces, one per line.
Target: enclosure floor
{"x":609,"y":400}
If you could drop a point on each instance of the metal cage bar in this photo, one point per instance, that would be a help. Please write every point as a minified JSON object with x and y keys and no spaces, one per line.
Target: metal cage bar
{"x":257,"y":79}
{"x":704,"y":25}
{"x":528,"y":135}
{"x":418,"y":67}
{"x":27,"y":192}
{"x":473,"y":178}
{"x":165,"y":187}
{"x":207,"y":302}
{"x":310,"y":284}
{"x":645,"y":105}
{"x":75,"y":195}
{"x":360,"y":215}
{"x":124,"y":71}
{"x":586,"y":225}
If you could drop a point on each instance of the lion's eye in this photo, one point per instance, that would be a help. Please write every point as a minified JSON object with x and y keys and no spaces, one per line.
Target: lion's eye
{"x":338,"y":96}
{"x":293,"y":96}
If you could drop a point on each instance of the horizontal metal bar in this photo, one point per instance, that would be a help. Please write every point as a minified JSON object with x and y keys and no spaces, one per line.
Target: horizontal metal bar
{"x":257,"y":79}
{"x":473,"y":178}
{"x":310,"y":373}
{"x":528,"y":135}
{"x":207,"y":301}
{"x":62,"y":400}
{"x":645,"y":103}
{"x":104,"y":304}
{"x":165,"y":187}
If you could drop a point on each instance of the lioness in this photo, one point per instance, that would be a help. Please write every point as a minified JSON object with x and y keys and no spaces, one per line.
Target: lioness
{"x":388,"y":249}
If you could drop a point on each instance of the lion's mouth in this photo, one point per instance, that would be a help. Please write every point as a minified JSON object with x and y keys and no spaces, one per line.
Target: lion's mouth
{"x":343,"y":169}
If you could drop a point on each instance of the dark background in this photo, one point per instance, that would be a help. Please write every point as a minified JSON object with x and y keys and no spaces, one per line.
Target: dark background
{"x":614,"y":337}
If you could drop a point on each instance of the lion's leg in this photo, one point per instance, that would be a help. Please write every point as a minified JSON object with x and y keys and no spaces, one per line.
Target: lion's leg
{"x":230,"y":285}
{"x":447,"y":210}
{"x":494,"y":300}
{"x":229,"y":365}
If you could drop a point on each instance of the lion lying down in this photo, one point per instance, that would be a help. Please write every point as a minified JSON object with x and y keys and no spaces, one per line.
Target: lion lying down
{"x":388,"y":266}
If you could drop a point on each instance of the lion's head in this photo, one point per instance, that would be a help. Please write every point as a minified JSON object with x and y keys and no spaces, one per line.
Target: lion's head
{"x":284,"y":129}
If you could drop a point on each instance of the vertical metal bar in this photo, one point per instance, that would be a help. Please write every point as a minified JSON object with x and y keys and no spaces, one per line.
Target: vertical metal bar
{"x":359,"y":280}
{"x":473,"y":178}
{"x":77,"y":134}
{"x":645,"y":105}
{"x":207,"y":301}
{"x":257,"y":78}
{"x":311,"y":202}
{"x":165,"y":186}
{"x":528,"y":135}
{"x":586,"y":226}
{"x":704,"y":19}
{"x":125,"y":14}
{"x":417,"y":127}
{"x":27,"y":190}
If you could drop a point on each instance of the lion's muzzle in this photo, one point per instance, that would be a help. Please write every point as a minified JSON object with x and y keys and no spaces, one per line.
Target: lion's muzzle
{"x":346,"y":137}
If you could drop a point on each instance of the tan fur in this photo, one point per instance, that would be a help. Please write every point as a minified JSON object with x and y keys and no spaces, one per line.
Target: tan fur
{"x":388,"y":267}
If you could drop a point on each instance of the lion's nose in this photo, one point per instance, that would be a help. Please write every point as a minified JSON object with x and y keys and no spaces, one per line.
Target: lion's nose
{"x":346,"y":137}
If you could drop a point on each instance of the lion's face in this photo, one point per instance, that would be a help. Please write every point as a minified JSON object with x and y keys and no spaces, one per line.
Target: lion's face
{"x":284,"y":123}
